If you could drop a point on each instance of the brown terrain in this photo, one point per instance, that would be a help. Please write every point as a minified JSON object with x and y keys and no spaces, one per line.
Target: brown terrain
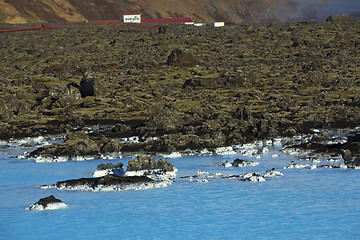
{"x":231,"y":11}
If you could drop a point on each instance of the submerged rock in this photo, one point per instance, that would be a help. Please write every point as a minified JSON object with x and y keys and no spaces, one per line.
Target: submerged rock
{"x":147,"y":166}
{"x":252,"y":177}
{"x":296,"y":165}
{"x":272,"y":173}
{"x":226,"y":164}
{"x":239,"y":163}
{"x":310,"y":158}
{"x":48,"y":203}
{"x":244,"y":163}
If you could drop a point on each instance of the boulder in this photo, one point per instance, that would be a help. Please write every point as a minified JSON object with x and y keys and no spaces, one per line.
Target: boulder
{"x":122,"y":129}
{"x":353,"y":137}
{"x":346,"y":155}
{"x":243,"y":163}
{"x":294,"y":165}
{"x":109,"y":169}
{"x":165,"y":119}
{"x":148,"y":163}
{"x":103,"y":166}
{"x":110,"y":146}
{"x":48,"y":203}
{"x":11,"y":106}
{"x":272,"y":173}
{"x":181,"y":58}
{"x":321,"y":138}
{"x":91,"y":86}
{"x":252,"y":177}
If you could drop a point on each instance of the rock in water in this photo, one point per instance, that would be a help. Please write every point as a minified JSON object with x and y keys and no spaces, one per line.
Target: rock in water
{"x":147,"y":166}
{"x":142,"y":173}
{"x":243,"y":163}
{"x":252,"y":177}
{"x":272,"y":173}
{"x":148,"y":163}
{"x":110,"y":183}
{"x":109,"y":168}
{"x":296,"y":165}
{"x":48,"y":203}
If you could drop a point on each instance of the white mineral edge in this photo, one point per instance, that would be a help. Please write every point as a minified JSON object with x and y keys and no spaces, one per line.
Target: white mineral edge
{"x":115,"y":171}
{"x":173,"y":155}
{"x":50,"y":206}
{"x":120,"y":187}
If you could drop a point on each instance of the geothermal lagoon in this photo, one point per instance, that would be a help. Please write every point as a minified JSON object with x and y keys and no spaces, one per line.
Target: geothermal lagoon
{"x":205,"y":200}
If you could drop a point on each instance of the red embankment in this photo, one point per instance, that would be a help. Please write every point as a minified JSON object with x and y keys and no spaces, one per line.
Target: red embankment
{"x":28,"y":29}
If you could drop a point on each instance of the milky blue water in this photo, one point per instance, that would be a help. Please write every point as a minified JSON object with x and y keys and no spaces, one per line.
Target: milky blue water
{"x":302,"y":204}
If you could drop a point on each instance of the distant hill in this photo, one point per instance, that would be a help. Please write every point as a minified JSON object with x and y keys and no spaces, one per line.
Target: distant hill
{"x":234,"y":11}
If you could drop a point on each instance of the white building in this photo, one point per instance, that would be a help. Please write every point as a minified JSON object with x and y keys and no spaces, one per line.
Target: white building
{"x":131,"y":18}
{"x":217,"y":24}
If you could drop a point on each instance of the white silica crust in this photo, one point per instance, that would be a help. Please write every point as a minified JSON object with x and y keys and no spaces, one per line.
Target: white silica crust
{"x":201,"y":172}
{"x":227,"y":164}
{"x":273,"y":173}
{"x":225,"y":151}
{"x":256,"y":179}
{"x":114,"y":171}
{"x":296,"y":165}
{"x":155,"y":174}
{"x":50,"y":206}
{"x":40,"y":159}
{"x":245,"y":164}
{"x":173,"y":155}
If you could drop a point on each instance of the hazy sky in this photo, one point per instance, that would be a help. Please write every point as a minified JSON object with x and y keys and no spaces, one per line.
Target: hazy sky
{"x":289,"y":10}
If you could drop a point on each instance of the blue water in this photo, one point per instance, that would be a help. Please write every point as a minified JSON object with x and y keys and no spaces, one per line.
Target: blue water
{"x":302,"y":204}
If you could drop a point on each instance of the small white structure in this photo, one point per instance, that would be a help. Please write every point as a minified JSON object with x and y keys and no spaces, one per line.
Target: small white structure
{"x":131,"y":18}
{"x":217,"y":24}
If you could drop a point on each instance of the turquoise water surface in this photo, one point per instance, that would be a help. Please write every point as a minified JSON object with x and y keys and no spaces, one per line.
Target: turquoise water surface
{"x":302,"y":204}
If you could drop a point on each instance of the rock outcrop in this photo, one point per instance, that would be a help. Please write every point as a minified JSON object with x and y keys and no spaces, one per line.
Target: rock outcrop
{"x":77,"y":146}
{"x":91,"y":86}
{"x":329,"y":147}
{"x":181,"y":58}
{"x":239,"y":163}
{"x":147,"y":166}
{"x":142,"y":173}
{"x":109,"y":169}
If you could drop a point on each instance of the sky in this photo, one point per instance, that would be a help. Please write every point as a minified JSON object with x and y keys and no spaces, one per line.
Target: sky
{"x":294,"y":10}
